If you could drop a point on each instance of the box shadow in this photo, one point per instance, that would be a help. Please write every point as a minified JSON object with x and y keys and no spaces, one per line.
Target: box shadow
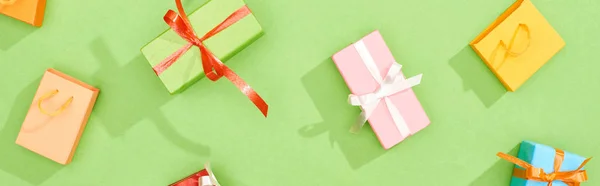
{"x":19,"y":161}
{"x":329,"y":94}
{"x":13,"y":31}
{"x":477,"y":77}
{"x":133,"y":93}
{"x":501,"y":169}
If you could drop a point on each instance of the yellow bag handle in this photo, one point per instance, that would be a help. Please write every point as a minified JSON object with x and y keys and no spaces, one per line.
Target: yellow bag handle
{"x":508,"y":48}
{"x":49,"y":95}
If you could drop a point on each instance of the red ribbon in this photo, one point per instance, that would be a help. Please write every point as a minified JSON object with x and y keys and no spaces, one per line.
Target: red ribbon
{"x":213,"y":67}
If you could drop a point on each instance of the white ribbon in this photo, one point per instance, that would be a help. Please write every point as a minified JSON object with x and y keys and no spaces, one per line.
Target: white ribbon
{"x":205,"y":181}
{"x":392,"y":83}
{"x":209,"y":180}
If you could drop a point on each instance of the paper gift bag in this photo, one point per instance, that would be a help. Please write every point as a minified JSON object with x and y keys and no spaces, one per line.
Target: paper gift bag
{"x":379,"y":87}
{"x":517,"y":44}
{"x":57,"y":116}
{"x":29,"y":11}
{"x":541,"y":165}
{"x":205,"y":177}
{"x":224,"y":45}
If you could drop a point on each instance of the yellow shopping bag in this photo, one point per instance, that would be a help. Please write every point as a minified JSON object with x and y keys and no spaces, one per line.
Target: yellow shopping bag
{"x":517,"y":44}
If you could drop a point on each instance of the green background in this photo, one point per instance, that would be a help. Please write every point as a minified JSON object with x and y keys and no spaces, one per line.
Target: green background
{"x":138,"y":134}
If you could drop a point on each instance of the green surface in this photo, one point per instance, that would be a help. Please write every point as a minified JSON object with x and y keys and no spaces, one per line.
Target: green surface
{"x":138,"y":134}
{"x":188,"y":68}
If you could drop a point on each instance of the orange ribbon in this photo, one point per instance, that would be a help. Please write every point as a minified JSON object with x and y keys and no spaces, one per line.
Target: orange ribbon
{"x":571,"y":178}
{"x":508,"y":49}
{"x":213,"y":67}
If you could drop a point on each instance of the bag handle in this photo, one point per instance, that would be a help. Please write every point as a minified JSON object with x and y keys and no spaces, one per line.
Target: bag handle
{"x":50,"y":95}
{"x":509,"y":52}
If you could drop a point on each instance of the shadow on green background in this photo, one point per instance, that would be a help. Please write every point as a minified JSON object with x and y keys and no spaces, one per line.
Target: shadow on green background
{"x":15,"y":159}
{"x":329,"y":93}
{"x":13,"y":31}
{"x":477,"y":76}
{"x":224,"y":178}
{"x":500,"y":169}
{"x":134,"y":95}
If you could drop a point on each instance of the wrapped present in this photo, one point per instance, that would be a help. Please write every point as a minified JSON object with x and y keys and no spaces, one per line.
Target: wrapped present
{"x":57,"y":116}
{"x":29,"y":11}
{"x":381,"y":90}
{"x":517,"y":44}
{"x":204,"y":177}
{"x":228,"y":26}
{"x":538,"y":165}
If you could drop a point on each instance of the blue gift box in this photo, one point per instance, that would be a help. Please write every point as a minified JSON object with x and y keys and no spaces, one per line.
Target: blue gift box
{"x":542,"y":156}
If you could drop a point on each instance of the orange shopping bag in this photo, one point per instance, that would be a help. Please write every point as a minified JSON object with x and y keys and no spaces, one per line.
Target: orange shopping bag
{"x":517,"y":44}
{"x":57,"y":116}
{"x":29,"y":11}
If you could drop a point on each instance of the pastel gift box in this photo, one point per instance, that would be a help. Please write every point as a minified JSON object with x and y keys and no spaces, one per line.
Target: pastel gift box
{"x":57,"y":116}
{"x":188,"y":69}
{"x":28,"y":11}
{"x":542,"y":156}
{"x":517,"y":44}
{"x":360,"y":81}
{"x":204,"y":177}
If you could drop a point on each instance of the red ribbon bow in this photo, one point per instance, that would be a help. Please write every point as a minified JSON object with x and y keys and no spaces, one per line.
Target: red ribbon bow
{"x":213,"y":67}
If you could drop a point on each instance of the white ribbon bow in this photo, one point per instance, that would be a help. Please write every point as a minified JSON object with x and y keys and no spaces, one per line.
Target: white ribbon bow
{"x":392,"y":83}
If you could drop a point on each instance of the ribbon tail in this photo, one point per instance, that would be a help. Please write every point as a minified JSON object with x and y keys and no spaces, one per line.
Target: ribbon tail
{"x":414,"y":81}
{"x":247,"y":90}
{"x":398,"y":119}
{"x":514,"y":160}
{"x":367,"y":110}
{"x":360,"y":122}
{"x":583,"y":164}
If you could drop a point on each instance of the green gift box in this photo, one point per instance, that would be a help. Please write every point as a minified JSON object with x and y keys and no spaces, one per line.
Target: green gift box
{"x":224,"y":45}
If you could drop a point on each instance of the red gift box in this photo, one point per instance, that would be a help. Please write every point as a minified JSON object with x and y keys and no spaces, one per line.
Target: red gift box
{"x":204,"y":177}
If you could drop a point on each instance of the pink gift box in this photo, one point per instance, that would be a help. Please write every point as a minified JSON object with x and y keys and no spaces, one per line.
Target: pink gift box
{"x":360,"y":81}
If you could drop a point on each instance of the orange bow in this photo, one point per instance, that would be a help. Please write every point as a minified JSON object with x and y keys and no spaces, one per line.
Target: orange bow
{"x":571,"y":178}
